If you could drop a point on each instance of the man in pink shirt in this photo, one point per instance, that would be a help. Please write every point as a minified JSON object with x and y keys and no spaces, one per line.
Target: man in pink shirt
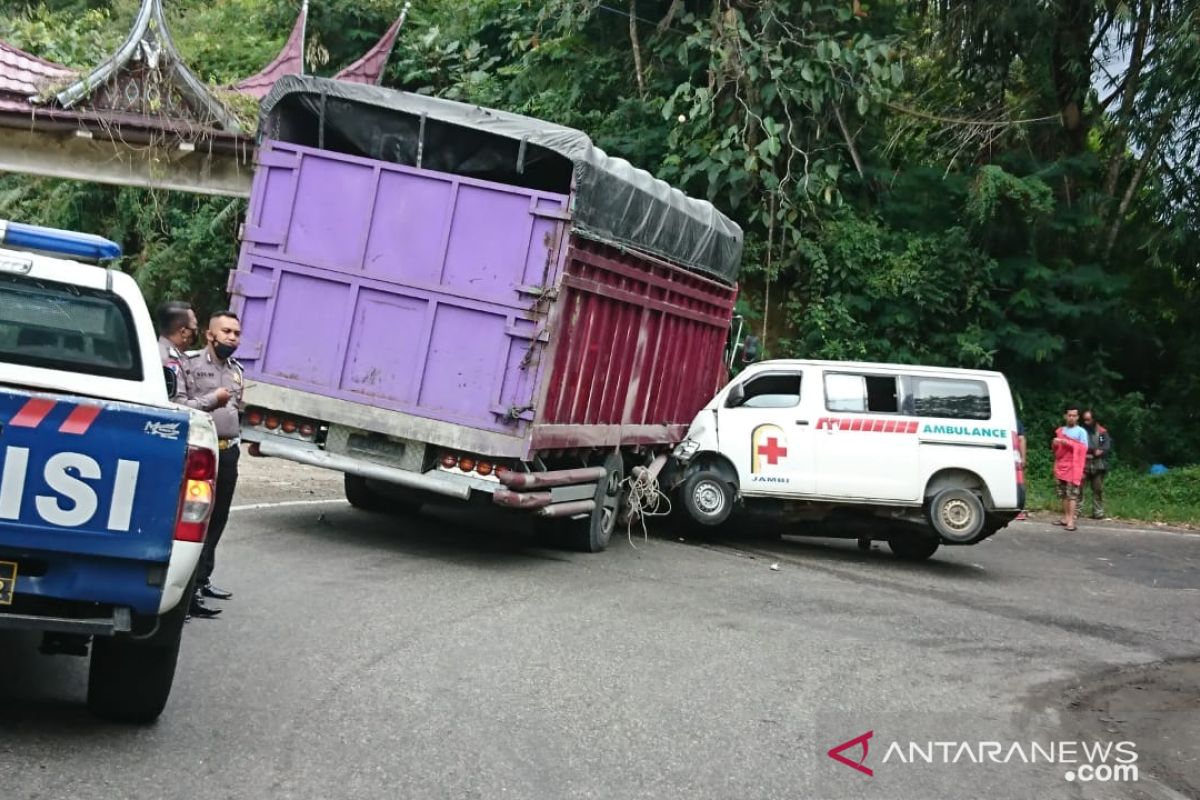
{"x":1070,"y":447}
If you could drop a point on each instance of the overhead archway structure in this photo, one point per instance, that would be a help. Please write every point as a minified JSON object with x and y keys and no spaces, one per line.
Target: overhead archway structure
{"x":141,"y":117}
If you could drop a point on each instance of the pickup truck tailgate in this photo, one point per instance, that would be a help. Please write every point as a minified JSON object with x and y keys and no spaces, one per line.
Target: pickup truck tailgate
{"x":89,"y":477}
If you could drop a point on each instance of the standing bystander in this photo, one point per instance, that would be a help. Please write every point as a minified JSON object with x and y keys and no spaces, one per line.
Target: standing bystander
{"x":1021,"y":451}
{"x":1099,"y":446}
{"x":1070,"y":445}
{"x":215,"y":380}
{"x":177,"y":331}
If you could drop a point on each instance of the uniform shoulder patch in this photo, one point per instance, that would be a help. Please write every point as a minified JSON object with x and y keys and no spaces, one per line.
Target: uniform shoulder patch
{"x":194,"y":353}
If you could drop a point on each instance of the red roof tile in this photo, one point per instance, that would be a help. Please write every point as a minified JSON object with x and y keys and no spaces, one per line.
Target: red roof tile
{"x":290,"y":61}
{"x":26,"y":75}
{"x":369,"y":68}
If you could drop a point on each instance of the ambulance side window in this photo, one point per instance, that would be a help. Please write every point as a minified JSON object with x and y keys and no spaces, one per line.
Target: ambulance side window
{"x":951,"y":398}
{"x":772,"y":391}
{"x":875,"y":394}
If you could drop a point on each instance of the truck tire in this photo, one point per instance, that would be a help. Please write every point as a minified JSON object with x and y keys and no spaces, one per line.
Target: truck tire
{"x":708,"y":497}
{"x":957,"y":515}
{"x":363,"y":497}
{"x":130,"y":680}
{"x":594,"y":536}
{"x":913,"y":545}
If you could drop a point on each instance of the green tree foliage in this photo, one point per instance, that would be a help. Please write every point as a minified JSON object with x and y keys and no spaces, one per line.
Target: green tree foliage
{"x":1005,"y":185}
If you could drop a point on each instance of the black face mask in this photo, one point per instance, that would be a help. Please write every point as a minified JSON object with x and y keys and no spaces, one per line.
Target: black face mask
{"x":224,"y":351}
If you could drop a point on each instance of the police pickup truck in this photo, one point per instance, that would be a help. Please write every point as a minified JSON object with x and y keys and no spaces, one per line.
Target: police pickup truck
{"x":105,"y":485}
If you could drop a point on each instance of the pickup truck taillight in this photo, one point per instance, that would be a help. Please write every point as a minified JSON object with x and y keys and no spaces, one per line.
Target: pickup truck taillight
{"x":196,"y":502}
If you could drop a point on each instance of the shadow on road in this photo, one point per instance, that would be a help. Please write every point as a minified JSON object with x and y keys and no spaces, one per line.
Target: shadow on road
{"x":483,"y":537}
{"x":814,"y":550}
{"x":43,"y":694}
{"x":490,"y":538}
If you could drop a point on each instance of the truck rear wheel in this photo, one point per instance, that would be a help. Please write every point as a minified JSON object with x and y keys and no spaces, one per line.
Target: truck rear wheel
{"x":363,"y":496}
{"x":596,"y":534}
{"x":130,"y":680}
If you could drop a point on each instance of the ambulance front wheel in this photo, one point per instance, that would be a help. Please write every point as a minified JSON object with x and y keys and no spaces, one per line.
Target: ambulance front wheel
{"x":708,"y":497}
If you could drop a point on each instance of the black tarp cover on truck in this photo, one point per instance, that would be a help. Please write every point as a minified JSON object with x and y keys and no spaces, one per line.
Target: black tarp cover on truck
{"x":613,"y":201}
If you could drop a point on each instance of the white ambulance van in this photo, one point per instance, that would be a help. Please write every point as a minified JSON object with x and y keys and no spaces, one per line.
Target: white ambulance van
{"x":931,"y":452}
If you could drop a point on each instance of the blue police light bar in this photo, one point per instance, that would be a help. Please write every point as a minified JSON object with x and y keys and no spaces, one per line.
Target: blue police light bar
{"x":59,"y":242}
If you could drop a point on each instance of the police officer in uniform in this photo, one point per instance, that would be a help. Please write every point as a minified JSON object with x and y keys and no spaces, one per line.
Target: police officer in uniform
{"x":177,"y":331}
{"x":215,"y":385}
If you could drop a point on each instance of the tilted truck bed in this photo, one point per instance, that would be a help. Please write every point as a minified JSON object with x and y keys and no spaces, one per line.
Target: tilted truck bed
{"x":462,"y":312}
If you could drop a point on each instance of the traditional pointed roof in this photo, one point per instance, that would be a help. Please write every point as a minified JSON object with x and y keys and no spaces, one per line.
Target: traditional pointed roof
{"x":147,"y":73}
{"x":290,"y":61}
{"x":369,"y":68}
{"x":24,"y":76}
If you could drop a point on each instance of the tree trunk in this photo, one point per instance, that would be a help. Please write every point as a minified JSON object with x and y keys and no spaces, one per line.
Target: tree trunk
{"x":1071,"y":67}
{"x":637,"y":48}
{"x":837,"y":112}
{"x":1124,"y":115}
{"x":1160,"y":131}
{"x":669,"y":17}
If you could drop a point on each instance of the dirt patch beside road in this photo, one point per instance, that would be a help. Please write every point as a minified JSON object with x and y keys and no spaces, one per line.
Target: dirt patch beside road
{"x":1156,"y":706}
{"x":1085,"y":524}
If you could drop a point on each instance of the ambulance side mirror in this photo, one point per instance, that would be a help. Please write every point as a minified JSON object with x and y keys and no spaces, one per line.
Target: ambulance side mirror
{"x":169,"y":377}
{"x":736,"y":396}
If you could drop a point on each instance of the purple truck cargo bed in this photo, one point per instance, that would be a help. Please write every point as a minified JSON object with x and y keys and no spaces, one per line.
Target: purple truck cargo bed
{"x":432,"y":295}
{"x":400,"y":288}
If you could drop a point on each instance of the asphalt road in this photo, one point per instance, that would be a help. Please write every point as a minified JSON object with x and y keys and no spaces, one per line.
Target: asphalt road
{"x":446,"y":656}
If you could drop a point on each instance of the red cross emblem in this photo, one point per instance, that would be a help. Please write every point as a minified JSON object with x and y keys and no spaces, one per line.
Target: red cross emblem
{"x":772,"y":451}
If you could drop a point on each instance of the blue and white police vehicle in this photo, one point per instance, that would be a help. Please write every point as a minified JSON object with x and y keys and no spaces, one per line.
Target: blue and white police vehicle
{"x":106,"y":486}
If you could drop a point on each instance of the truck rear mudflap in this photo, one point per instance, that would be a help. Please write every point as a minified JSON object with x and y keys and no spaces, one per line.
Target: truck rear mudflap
{"x":89,"y":497}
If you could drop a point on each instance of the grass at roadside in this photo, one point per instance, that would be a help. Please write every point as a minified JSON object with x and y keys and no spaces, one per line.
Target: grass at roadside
{"x":1128,"y":494}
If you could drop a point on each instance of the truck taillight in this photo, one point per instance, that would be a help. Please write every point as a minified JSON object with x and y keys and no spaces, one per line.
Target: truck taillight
{"x":196,"y":500}
{"x":464,"y":462}
{"x":296,"y":427}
